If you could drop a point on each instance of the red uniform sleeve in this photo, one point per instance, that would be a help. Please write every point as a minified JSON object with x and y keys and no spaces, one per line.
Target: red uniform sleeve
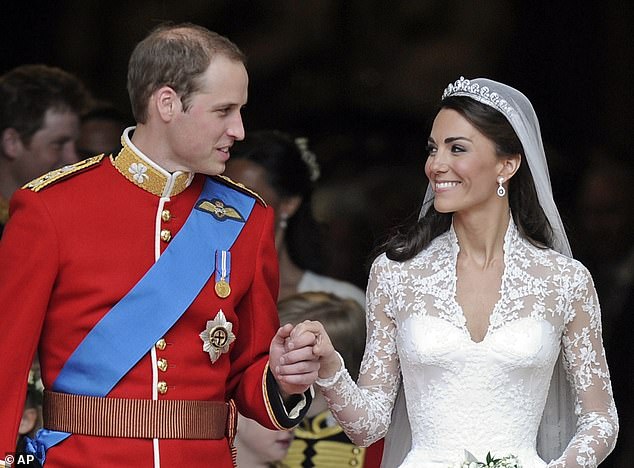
{"x":28,"y":268}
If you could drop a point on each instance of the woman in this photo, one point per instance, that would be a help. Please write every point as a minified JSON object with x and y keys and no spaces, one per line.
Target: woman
{"x":472,"y":307}
{"x":282,"y":170}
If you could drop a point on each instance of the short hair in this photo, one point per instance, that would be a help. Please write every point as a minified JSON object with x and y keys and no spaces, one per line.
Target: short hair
{"x":343,"y":320}
{"x":104,"y":110}
{"x":27,"y":92}
{"x":174,"y":55}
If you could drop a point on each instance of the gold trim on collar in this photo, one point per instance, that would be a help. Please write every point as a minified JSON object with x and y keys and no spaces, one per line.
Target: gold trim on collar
{"x":137,"y":170}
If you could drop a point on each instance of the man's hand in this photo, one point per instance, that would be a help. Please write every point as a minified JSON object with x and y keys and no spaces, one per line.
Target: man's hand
{"x":292,"y":361}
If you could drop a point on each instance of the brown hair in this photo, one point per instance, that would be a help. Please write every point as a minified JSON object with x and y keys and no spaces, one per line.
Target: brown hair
{"x":174,"y":55}
{"x":27,"y":92}
{"x":527,"y":213}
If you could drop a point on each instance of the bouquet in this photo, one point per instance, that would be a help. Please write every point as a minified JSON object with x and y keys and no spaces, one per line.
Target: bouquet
{"x":508,"y":461}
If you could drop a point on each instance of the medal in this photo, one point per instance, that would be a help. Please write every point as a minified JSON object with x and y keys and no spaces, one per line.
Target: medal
{"x":217,"y":336}
{"x":223,"y":270}
{"x":222,"y":289}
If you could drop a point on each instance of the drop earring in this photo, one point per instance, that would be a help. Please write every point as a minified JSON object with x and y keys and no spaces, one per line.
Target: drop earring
{"x":501,"y":191}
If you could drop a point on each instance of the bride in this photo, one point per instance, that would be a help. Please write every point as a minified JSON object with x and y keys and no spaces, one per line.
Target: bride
{"x":478,"y":318}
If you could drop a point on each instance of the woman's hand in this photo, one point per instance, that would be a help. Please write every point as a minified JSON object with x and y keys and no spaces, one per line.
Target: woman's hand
{"x":322,"y":348}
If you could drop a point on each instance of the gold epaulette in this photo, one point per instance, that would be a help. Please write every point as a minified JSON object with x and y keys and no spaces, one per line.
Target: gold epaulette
{"x":58,"y":174}
{"x":240,"y":187}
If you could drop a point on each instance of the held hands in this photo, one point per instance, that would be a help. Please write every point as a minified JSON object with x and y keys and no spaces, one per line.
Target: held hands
{"x":292,"y":361}
{"x":301,"y":354}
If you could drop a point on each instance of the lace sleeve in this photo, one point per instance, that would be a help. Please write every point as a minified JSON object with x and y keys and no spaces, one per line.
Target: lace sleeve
{"x":586,"y":366}
{"x":364,"y":409}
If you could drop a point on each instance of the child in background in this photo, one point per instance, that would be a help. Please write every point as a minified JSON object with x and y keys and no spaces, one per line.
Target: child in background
{"x":259,"y":447}
{"x":319,"y":440}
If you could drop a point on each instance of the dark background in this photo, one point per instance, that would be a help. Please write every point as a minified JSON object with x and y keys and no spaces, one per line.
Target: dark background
{"x":361,"y":78}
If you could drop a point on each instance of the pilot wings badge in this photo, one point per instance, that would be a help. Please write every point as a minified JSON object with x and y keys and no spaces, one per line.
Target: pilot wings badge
{"x":217,"y":336}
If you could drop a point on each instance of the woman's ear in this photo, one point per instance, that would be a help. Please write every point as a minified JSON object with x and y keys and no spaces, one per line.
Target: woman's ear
{"x":510,"y":165}
{"x":290,"y":205}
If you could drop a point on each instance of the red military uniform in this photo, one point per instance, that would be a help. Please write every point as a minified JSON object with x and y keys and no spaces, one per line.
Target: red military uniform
{"x":74,"y":247}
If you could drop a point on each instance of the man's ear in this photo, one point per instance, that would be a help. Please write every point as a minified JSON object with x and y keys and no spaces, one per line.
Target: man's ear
{"x":11,"y":142}
{"x":166,"y":102}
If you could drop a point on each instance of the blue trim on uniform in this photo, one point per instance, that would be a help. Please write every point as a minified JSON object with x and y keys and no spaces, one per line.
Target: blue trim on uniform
{"x":132,"y":327}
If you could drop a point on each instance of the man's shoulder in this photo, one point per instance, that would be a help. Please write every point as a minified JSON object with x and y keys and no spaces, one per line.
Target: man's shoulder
{"x":239,"y":187}
{"x":63,"y":173}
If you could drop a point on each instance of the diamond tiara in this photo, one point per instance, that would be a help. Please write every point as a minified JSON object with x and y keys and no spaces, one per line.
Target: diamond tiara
{"x":464,"y":87}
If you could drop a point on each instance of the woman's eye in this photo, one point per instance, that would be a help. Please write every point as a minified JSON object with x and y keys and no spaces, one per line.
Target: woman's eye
{"x":457,"y":149}
{"x":430,"y":149}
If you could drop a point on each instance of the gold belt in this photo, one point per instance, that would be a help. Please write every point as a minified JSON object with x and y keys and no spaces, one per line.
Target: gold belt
{"x":136,"y":418}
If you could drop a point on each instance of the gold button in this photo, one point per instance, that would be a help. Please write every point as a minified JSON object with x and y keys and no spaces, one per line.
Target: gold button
{"x":353,"y":462}
{"x":162,"y":387}
{"x":166,"y":235}
{"x":162,"y":364}
{"x":356,"y":450}
{"x":166,"y":215}
{"x":160,"y":344}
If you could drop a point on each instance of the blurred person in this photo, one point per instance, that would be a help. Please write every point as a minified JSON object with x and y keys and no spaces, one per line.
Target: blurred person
{"x":319,"y":440}
{"x":259,"y":447}
{"x":479,"y":319}
{"x":152,"y":281}
{"x":283,"y":170}
{"x":40,"y":107}
{"x":605,"y":223}
{"x":31,"y":420}
{"x":100,"y":130}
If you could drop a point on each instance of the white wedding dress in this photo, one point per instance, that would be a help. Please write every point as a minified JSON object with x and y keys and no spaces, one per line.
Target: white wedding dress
{"x":485,"y":396}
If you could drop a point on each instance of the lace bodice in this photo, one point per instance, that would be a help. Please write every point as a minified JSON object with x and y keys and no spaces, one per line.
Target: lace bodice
{"x":479,"y":396}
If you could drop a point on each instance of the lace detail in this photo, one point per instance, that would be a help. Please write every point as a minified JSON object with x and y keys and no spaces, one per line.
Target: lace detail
{"x":480,"y":396}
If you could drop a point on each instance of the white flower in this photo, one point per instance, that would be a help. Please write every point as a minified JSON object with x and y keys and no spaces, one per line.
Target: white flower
{"x":139,"y":172}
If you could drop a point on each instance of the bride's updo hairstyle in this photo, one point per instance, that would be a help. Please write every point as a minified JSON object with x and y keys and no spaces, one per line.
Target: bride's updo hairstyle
{"x":525,"y":208}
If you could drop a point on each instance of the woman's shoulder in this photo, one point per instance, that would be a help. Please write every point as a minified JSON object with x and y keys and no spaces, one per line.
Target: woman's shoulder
{"x":558,"y":262}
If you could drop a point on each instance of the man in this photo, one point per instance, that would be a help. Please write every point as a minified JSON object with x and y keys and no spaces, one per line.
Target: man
{"x":100,"y":130}
{"x":39,"y":124}
{"x":150,"y":281}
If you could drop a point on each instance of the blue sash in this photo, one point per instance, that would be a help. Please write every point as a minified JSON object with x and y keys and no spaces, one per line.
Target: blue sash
{"x":132,"y":327}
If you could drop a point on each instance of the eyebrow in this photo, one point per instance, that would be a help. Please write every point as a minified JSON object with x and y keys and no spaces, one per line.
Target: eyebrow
{"x":451,"y":139}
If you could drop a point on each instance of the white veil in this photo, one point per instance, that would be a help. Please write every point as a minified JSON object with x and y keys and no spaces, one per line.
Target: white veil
{"x":558,"y":422}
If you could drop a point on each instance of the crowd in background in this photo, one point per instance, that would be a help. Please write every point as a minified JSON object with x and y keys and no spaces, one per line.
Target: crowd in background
{"x":354,"y":80}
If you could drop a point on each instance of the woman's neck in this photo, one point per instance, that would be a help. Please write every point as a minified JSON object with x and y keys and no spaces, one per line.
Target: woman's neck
{"x":481,"y":235}
{"x":290,"y":273}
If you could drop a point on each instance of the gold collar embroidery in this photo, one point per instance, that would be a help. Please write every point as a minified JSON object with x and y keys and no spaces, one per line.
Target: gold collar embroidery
{"x":143,"y":173}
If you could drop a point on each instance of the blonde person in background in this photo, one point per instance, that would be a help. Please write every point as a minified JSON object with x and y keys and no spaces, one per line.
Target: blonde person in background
{"x":319,"y":440}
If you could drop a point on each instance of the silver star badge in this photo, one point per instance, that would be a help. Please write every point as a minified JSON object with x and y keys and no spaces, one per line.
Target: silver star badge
{"x":217,"y":336}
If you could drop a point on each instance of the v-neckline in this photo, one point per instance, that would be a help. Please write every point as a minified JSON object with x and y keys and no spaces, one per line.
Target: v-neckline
{"x":496,"y":306}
